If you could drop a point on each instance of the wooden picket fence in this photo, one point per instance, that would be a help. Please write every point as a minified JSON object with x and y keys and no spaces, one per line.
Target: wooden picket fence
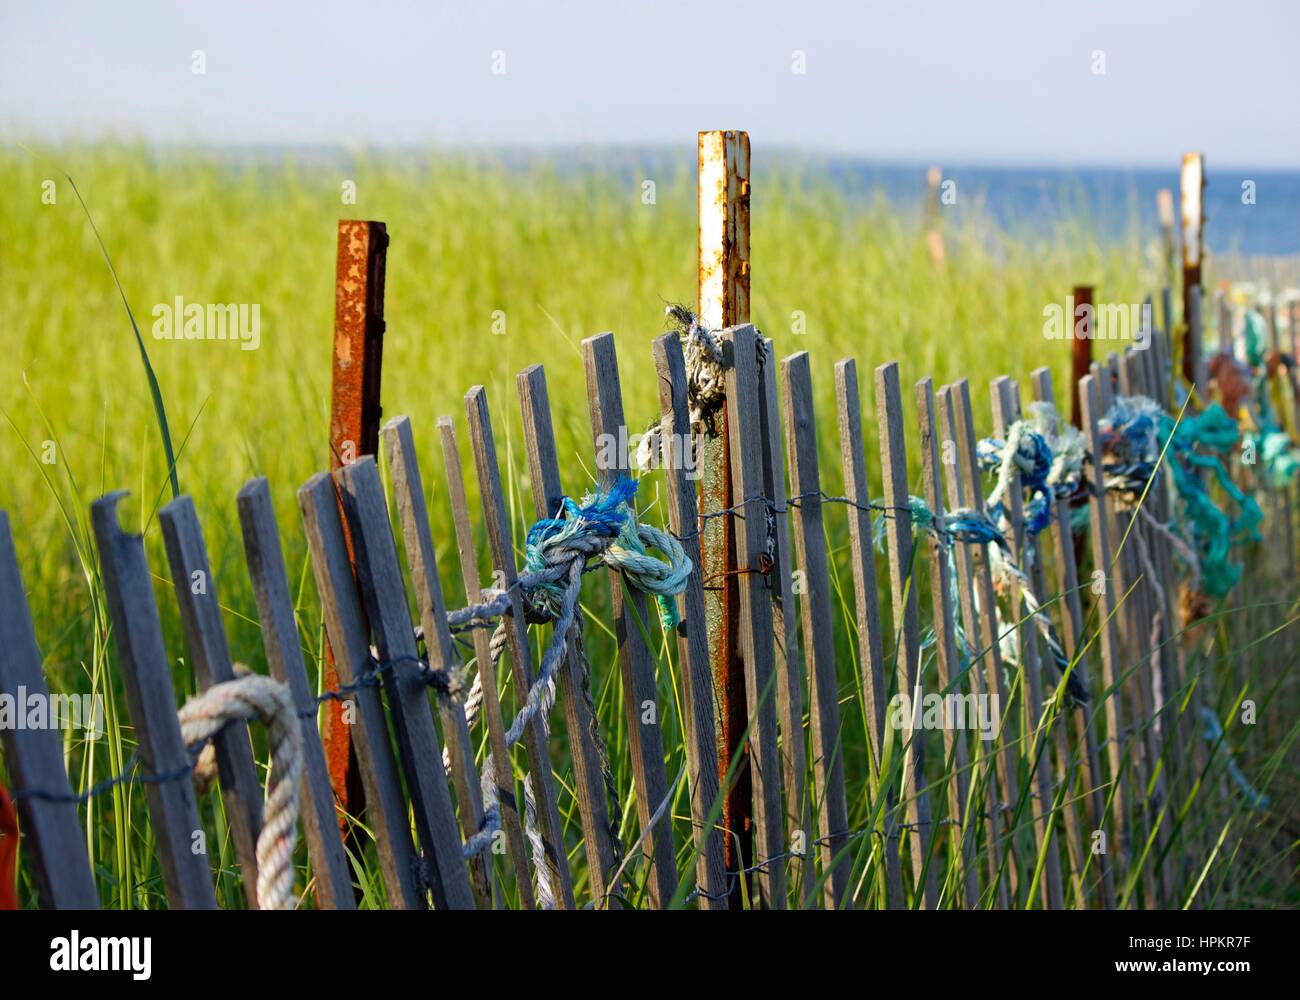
{"x":1113,"y":765}
{"x":1099,"y":798}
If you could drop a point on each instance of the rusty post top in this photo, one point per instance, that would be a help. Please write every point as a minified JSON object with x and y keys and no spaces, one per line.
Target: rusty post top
{"x":358,"y":339}
{"x":723,"y":228}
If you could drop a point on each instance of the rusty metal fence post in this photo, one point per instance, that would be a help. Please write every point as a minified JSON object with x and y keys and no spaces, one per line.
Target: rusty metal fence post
{"x":723,"y":302}
{"x":354,"y":431}
{"x":1081,"y":350}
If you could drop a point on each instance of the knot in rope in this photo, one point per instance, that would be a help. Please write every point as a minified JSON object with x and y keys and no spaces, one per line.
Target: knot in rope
{"x":253,"y":696}
{"x":706,"y":388}
{"x":603,"y":527}
{"x":1025,"y":451}
{"x":1131,"y":445}
{"x":1067,"y":445}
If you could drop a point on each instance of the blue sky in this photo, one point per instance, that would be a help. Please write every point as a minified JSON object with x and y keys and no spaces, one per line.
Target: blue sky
{"x":969,"y":82}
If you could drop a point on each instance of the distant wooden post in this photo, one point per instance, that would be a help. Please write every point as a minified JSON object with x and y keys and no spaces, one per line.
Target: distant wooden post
{"x":1081,"y":353}
{"x":354,"y":431}
{"x":1192,"y":186}
{"x":1196,"y":337}
{"x":723,"y":302}
{"x":933,"y":234}
{"x":1225,"y":323}
{"x":1165,"y":208}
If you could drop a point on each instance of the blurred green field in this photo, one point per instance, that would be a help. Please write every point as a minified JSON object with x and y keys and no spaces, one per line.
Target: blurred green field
{"x":563,"y":254}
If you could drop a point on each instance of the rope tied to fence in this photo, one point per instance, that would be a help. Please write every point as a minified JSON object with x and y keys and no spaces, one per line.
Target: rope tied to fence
{"x":603,"y":529}
{"x":1024,"y":451}
{"x":706,"y":369}
{"x":965,"y":524}
{"x":1048,"y":455}
{"x":706,"y":366}
{"x":254,"y":696}
{"x":1269,"y":442}
{"x":1138,"y":436}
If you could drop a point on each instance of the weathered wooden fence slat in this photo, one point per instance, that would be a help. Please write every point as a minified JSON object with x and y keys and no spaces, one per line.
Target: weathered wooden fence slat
{"x":898,"y":543}
{"x":573,"y":681}
{"x":791,"y":687}
{"x":1005,"y":413}
{"x":981,"y":632}
{"x":35,"y":757}
{"x":205,"y":637}
{"x":280,"y":640}
{"x":408,"y":495}
{"x":1120,"y":832}
{"x":1135,"y":625}
{"x":151,"y":702}
{"x":634,"y":623}
{"x":348,"y":633}
{"x":818,"y":634}
{"x":990,"y":640}
{"x":1055,"y":704}
{"x":379,"y":576}
{"x":540,"y":779}
{"x":871,"y":655}
{"x":507,"y":798}
{"x":1067,"y":578}
{"x":956,"y":751}
{"x":740,"y":349}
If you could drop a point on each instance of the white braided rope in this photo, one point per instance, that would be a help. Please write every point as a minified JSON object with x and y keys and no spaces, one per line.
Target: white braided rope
{"x":533,"y":833}
{"x":247,"y":697}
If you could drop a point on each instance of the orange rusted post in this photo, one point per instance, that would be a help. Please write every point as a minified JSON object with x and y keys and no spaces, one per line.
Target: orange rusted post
{"x":354,"y":431}
{"x":1081,"y":350}
{"x":1192,"y":186}
{"x":723,"y":302}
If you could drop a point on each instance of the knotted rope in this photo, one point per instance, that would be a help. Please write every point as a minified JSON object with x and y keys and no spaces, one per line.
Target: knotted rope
{"x":965,"y":524}
{"x":1025,"y":451}
{"x":1048,"y":456}
{"x":603,"y":530}
{"x":1135,"y":432}
{"x":706,"y":388}
{"x":253,"y":696}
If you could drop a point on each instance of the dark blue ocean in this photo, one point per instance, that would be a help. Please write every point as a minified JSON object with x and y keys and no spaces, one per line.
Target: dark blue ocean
{"x":1111,"y":200}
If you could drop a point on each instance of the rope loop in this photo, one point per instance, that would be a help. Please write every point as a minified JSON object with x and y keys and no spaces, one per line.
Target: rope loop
{"x":253,"y":696}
